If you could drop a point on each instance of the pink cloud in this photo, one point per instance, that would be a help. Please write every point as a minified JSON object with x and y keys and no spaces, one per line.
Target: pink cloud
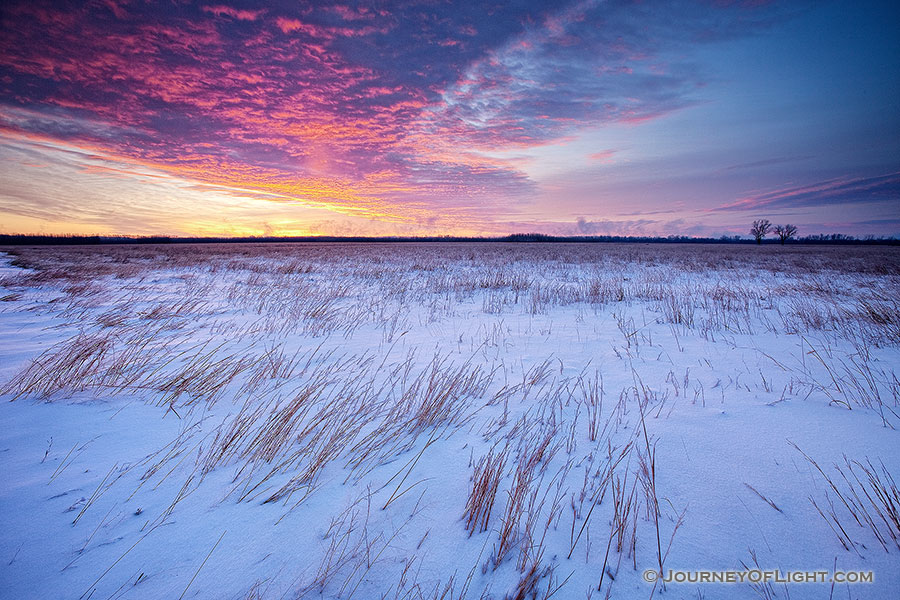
{"x":287,"y":25}
{"x":360,"y":13}
{"x":603,"y":157}
{"x":239,"y":14}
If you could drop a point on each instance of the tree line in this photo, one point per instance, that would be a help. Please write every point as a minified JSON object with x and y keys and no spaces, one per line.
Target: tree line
{"x":789,"y":234}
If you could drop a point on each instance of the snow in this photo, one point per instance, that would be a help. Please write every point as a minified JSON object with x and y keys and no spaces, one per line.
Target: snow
{"x":360,"y":386}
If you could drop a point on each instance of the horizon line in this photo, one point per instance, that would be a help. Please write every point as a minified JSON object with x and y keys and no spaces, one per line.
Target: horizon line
{"x":21,"y":239}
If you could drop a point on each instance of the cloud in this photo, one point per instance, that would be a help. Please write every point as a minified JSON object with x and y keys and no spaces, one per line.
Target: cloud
{"x":843,"y":190}
{"x":603,"y":157}
{"x":879,"y":222}
{"x":235,"y":13}
{"x":391,"y":112}
{"x":611,"y":227}
{"x":768,"y":162}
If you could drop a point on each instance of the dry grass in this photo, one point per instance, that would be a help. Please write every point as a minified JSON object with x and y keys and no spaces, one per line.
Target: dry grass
{"x":861,"y":493}
{"x":564,"y":464}
{"x":485,"y":482}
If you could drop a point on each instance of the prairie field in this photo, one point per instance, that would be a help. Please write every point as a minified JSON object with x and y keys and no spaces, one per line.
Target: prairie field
{"x":448,"y":421}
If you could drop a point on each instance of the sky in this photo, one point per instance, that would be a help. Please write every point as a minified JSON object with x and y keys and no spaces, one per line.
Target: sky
{"x":654,"y":117}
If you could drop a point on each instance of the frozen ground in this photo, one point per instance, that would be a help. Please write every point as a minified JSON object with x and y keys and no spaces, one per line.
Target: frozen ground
{"x":447,"y":421}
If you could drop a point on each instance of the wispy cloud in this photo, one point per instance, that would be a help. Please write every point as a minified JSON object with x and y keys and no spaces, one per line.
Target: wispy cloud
{"x":844,"y":190}
{"x":235,"y":13}
{"x":766,"y":162}
{"x":604,"y":156}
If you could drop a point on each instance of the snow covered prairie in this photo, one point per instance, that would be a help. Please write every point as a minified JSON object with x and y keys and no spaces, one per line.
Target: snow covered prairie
{"x":448,"y":421}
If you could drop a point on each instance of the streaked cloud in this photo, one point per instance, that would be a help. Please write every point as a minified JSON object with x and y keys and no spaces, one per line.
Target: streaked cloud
{"x":881,"y":188}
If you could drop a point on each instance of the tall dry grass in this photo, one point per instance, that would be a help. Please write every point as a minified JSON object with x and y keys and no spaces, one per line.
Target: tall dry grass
{"x":315,"y":361}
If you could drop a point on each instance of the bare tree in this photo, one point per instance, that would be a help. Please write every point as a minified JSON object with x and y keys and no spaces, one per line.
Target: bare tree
{"x":760,"y":228}
{"x":785,"y":232}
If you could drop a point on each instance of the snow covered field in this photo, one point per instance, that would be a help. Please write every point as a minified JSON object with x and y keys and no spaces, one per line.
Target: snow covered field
{"x":447,"y":421}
